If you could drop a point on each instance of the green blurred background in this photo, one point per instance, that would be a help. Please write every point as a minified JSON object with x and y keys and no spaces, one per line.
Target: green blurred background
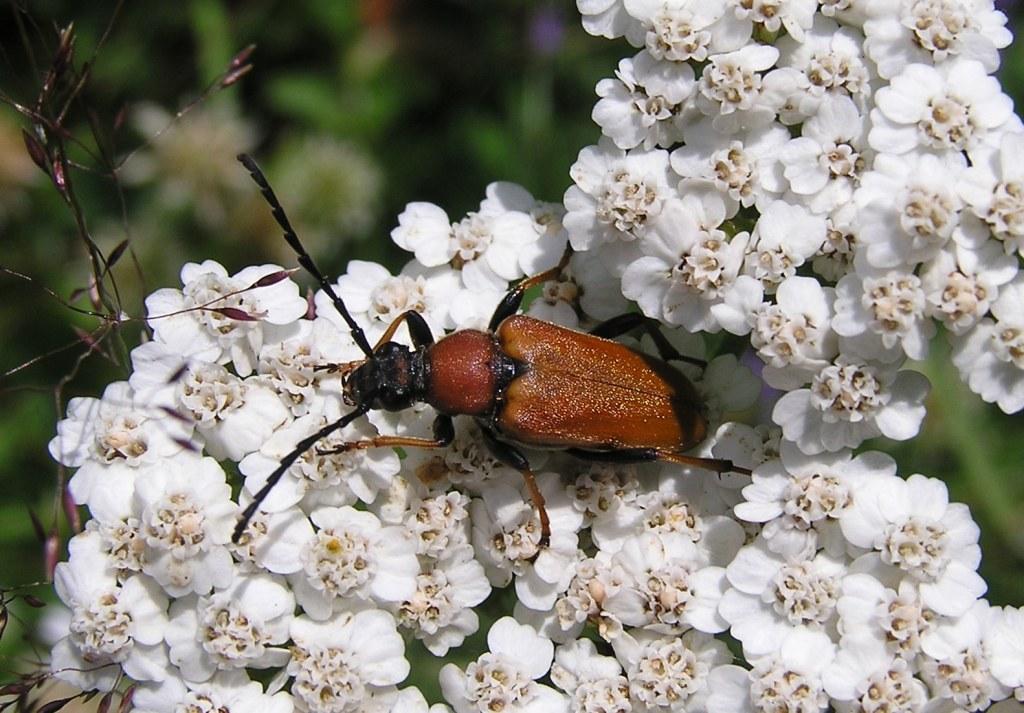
{"x":354,"y":108}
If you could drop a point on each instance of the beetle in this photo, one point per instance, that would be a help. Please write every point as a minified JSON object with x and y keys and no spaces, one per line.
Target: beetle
{"x":527,"y":382}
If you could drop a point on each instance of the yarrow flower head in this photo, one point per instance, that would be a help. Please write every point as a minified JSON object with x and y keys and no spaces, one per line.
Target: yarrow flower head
{"x":819,"y":185}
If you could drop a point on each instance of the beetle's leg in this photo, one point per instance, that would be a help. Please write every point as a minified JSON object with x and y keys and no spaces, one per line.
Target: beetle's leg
{"x":611,"y":328}
{"x":509,"y":304}
{"x":444,"y":434}
{"x":419,"y":330}
{"x":717,"y":465}
{"x":512,"y":457}
{"x":640,"y":455}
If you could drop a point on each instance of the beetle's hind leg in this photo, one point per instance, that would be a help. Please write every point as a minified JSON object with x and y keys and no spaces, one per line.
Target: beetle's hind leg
{"x":616,"y":326}
{"x":640,"y":455}
{"x":513,"y":458}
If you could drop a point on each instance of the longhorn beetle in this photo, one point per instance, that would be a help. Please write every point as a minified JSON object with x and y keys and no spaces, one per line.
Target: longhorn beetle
{"x":526,"y":382}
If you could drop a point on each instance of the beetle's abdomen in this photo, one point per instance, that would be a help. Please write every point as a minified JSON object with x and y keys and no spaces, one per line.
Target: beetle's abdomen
{"x":580,"y":391}
{"x":464,"y":369}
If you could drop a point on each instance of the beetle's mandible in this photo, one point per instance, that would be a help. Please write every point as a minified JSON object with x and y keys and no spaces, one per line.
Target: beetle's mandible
{"x":526,"y":382}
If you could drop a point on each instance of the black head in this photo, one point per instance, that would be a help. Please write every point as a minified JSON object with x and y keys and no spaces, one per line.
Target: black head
{"x":391,"y":380}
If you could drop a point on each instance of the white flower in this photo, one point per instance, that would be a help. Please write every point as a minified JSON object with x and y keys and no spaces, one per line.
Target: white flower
{"x":318,"y":476}
{"x":219,"y":318}
{"x":831,"y":60}
{"x":961,"y":285}
{"x":505,"y":678}
{"x":227,"y":692}
{"x":470,"y":309}
{"x":352,"y":556}
{"x":595,"y":578}
{"x":743,"y":167}
{"x":242,"y":626}
{"x":466,"y":463}
{"x":771,"y":595}
{"x":295,"y":366}
{"x":835,"y":256}
{"x":730,"y":88}
{"x":338,"y":663}
{"x":933,"y":31}
{"x":440,"y":611}
{"x":375,"y":298}
{"x":666,"y":587}
{"x":951,"y":107}
{"x":889,"y":309}
{"x":848,"y":402}
{"x":800,"y":498}
{"x":1004,"y":644}
{"x":727,"y":386}
{"x":439,"y":524}
{"x":186,"y":517}
{"x":793,"y":337}
{"x":111,"y":438}
{"x":645,"y":103}
{"x":113,"y":626}
{"x":616,"y":195}
{"x":786,"y":236}
{"x":594,"y":682}
{"x":536,"y":255}
{"x":605,"y":494}
{"x":232,"y":416}
{"x":680,"y":30}
{"x":909,"y":208}
{"x":559,"y":300}
{"x":682,"y":504}
{"x":990,"y":356}
{"x":689,"y":263}
{"x":506,"y":537}
{"x":119,"y":529}
{"x":596,"y":290}
{"x":608,"y":18}
{"x":993,"y":187}
{"x":866,"y":674}
{"x":824,"y":165}
{"x":790,"y":679}
{"x":484,"y":245}
{"x":271,"y":539}
{"x":746,"y":446}
{"x":849,"y":12}
{"x":912,"y":526}
{"x":424,"y":229}
{"x":774,"y":15}
{"x":669,"y":673}
{"x":962,"y":672}
{"x":893,"y":615}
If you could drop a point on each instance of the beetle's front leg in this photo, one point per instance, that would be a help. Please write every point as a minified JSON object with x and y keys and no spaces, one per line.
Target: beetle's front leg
{"x":444,"y":434}
{"x":419,"y":330}
{"x":509,"y":304}
{"x":510,"y":456}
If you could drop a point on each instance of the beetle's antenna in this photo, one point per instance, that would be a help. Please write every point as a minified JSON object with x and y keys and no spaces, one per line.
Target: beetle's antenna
{"x":304,"y":257}
{"x":301,"y":447}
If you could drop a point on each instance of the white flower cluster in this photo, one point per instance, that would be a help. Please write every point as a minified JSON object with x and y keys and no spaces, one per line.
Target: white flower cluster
{"x":830,"y":178}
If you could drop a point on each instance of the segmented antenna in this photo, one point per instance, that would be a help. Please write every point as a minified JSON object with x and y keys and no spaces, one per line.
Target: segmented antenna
{"x":301,"y":447}
{"x":304,"y":257}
